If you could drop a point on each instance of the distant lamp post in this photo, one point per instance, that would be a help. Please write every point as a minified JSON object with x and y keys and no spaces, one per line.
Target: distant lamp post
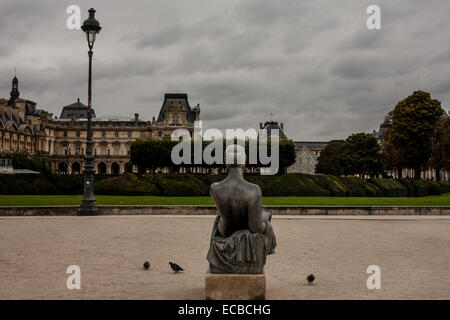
{"x":88,"y":205}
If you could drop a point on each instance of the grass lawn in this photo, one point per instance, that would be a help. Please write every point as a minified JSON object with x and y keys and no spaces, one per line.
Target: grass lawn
{"x":37,"y":200}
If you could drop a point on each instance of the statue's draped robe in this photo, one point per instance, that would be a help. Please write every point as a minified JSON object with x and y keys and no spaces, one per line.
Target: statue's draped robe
{"x":243,"y":251}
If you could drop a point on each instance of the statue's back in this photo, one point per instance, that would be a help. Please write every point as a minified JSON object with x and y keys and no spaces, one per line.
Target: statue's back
{"x":232,"y":199}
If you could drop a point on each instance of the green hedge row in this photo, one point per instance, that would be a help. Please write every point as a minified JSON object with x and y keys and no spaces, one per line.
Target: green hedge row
{"x":42,"y":184}
{"x":292,"y":184}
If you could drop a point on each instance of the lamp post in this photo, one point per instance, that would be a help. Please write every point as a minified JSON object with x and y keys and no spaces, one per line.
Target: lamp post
{"x":88,"y":205}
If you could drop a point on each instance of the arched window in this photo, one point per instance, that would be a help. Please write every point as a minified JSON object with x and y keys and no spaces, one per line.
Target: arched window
{"x":101,"y":168}
{"x":62,"y":168}
{"x":76,"y":168}
{"x":115,"y":169}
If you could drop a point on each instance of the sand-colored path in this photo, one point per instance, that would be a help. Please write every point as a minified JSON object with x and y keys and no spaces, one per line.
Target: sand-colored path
{"x":413,"y":254}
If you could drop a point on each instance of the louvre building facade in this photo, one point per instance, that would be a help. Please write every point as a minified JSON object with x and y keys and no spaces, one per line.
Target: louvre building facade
{"x":63,"y":140}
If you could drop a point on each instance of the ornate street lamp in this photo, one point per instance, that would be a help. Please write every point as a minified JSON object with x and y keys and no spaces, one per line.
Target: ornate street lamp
{"x":88,"y":205}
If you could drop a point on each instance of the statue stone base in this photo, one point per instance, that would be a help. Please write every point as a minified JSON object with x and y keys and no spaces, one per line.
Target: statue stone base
{"x":235,"y":286}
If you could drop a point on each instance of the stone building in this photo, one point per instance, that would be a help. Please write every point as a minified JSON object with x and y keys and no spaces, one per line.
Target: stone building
{"x":63,"y":140}
{"x":306,"y":152}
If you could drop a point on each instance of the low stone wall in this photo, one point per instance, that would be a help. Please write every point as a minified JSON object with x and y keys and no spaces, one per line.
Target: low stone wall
{"x":211,"y":210}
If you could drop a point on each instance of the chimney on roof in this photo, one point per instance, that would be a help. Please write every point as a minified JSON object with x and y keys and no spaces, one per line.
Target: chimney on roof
{"x":282,"y":125}
{"x":136,"y":117}
{"x":260,"y":125}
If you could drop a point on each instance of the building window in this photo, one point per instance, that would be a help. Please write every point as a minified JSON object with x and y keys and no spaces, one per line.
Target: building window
{"x":142,"y":134}
{"x":128,"y":148}
{"x":160,"y":133}
{"x":65,"y":149}
{"x":116,"y":134}
{"x":129,"y":134}
{"x":103,"y":134}
{"x":103,"y":149}
{"x":65,"y":133}
{"x":78,"y":133}
{"x":116,"y":149}
{"x":78,"y":149}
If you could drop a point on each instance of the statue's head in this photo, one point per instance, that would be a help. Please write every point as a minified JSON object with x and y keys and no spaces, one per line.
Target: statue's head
{"x":235,"y":156}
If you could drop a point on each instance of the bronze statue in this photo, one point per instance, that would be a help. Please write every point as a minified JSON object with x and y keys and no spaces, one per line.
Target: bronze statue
{"x":242,"y":235}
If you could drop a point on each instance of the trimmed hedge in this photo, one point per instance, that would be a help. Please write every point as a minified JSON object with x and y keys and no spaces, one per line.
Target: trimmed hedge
{"x":291,"y":184}
{"x":332,"y":184}
{"x":358,"y":187}
{"x":390,"y":187}
{"x":126,"y":185}
{"x":425,"y":188}
{"x":445,"y":186}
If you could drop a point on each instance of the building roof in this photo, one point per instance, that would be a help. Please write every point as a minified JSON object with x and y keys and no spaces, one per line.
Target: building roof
{"x":273,"y":125}
{"x":311,"y":144}
{"x":78,"y":109}
{"x":176,"y":98}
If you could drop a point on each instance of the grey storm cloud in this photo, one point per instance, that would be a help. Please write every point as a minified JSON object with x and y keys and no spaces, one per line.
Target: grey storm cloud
{"x":313,"y":64}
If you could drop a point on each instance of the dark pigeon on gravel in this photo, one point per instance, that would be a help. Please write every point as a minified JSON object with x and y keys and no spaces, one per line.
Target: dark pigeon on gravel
{"x":175,"y":267}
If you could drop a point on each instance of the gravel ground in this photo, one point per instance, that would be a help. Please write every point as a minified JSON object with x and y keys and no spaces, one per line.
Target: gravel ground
{"x":413,"y":254}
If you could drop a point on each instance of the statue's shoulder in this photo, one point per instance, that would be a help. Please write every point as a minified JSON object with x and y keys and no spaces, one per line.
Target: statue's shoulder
{"x":254,"y":188}
{"x":215,"y":186}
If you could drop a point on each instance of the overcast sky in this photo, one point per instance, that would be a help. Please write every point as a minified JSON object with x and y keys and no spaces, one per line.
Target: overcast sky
{"x":313,"y":64}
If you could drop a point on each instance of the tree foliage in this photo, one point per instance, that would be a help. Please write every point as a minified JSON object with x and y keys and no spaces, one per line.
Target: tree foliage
{"x":413,"y":125}
{"x":25,"y":160}
{"x":362,"y":155}
{"x":330,"y":157}
{"x":359,"y":154}
{"x":440,"y":149}
{"x":152,"y":154}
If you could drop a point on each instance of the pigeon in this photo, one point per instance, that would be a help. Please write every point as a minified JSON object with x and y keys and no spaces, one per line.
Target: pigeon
{"x":175,"y":267}
{"x":310,"y":278}
{"x":146,"y":265}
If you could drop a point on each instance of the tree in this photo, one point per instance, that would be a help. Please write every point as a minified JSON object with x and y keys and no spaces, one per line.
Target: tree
{"x":413,"y":123}
{"x":24,"y":160}
{"x":330,"y":157}
{"x":440,"y":149}
{"x":152,"y":154}
{"x":393,"y":158}
{"x":287,"y":155}
{"x":362,"y":155}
